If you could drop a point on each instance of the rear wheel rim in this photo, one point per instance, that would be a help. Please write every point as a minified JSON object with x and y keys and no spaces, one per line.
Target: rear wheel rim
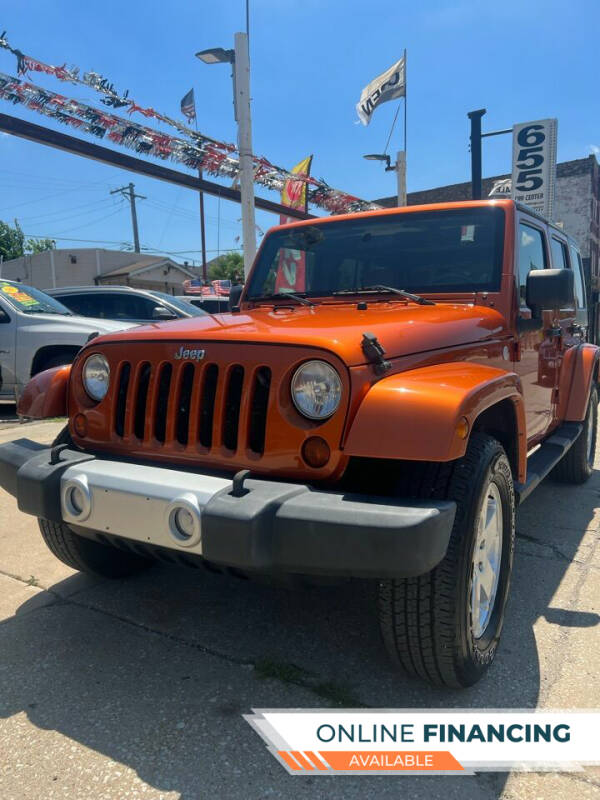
{"x":487,"y":553}
{"x":590,"y":436}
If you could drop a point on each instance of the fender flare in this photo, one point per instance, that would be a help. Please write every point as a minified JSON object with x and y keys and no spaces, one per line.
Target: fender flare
{"x":577,"y":373}
{"x":414,"y":415}
{"x":45,"y":395}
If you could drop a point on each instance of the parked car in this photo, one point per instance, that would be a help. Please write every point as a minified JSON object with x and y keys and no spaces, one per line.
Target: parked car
{"x":124,"y":303}
{"x":211,"y":304}
{"x":36,"y":333}
{"x":382,"y":418}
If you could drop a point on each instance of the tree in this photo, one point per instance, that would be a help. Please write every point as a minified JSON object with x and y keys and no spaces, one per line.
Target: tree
{"x":13,"y":244}
{"x":12,"y":241}
{"x":228,"y":267}
{"x":39,"y":245}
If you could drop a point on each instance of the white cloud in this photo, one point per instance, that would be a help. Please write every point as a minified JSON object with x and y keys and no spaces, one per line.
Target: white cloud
{"x":594,"y":149}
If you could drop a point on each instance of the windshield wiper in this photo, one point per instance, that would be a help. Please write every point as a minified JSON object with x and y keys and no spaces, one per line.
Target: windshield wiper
{"x":299,"y":298}
{"x":44,"y":311}
{"x":422,"y":301}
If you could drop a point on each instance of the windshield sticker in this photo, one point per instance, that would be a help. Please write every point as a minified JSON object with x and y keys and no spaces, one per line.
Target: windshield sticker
{"x":467,"y":233}
{"x":18,"y":297}
{"x":25,"y":299}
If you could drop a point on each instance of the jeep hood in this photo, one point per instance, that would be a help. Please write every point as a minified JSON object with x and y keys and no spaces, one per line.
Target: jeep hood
{"x":401,"y":329}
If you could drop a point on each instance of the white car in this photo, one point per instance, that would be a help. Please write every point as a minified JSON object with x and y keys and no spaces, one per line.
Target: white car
{"x":36,"y":333}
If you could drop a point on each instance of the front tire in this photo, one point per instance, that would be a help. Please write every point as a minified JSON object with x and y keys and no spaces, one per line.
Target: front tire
{"x":445,"y":626}
{"x":87,"y":555}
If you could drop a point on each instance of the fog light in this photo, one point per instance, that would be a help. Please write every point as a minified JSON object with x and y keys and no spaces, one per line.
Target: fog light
{"x":183,"y":517}
{"x":184,"y":523}
{"x":316,"y":452}
{"x":80,"y":425}
{"x":77,"y":500}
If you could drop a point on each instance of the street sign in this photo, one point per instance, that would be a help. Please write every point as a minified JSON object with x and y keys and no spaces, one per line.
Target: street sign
{"x":534,"y":164}
{"x":501,"y":188}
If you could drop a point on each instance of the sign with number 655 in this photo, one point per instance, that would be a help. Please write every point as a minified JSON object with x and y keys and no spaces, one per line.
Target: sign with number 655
{"x":534,"y":164}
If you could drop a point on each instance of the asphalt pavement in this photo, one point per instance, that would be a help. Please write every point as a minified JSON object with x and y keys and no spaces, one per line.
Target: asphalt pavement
{"x":136,"y":688}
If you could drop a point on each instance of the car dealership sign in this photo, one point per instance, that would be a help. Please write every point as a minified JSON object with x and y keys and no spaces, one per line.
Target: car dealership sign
{"x":534,"y":164}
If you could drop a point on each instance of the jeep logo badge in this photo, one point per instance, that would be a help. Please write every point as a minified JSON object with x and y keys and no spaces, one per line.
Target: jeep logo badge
{"x":185,"y":354}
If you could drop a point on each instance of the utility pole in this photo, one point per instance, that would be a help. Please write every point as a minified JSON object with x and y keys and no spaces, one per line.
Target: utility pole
{"x":129,"y":193}
{"x":241,"y":82}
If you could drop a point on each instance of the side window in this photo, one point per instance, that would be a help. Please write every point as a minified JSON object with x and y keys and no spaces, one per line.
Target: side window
{"x":559,"y":254}
{"x":532,"y":255}
{"x":96,"y":305}
{"x":77,"y":303}
{"x":576,"y":266}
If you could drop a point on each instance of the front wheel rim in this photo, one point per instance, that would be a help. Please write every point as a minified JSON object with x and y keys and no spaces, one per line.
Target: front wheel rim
{"x":487,"y":553}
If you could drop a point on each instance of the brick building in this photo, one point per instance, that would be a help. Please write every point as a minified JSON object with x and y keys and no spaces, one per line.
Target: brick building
{"x":576,"y":206}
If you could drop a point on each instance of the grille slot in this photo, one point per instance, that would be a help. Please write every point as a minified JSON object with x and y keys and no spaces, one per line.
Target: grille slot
{"x":121,"y":403}
{"x":162,"y":402}
{"x":233,"y":402}
{"x":207,"y":404}
{"x":258,"y":410}
{"x":184,"y":404}
{"x":141,"y":400}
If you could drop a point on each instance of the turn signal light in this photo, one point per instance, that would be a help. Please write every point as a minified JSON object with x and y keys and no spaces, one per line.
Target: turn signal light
{"x":316,"y":452}
{"x":80,"y":425}
{"x":462,"y":428}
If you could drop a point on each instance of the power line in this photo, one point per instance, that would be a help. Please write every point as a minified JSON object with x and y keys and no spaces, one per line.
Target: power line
{"x":66,"y":211}
{"x":71,"y":239}
{"x":84,"y":225}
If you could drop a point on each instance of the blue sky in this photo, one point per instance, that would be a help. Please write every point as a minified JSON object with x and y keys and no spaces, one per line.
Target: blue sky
{"x":522,"y":60}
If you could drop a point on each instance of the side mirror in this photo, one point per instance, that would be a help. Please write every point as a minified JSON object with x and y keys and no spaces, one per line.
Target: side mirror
{"x":548,"y":289}
{"x":162,"y":313}
{"x":4,"y":318}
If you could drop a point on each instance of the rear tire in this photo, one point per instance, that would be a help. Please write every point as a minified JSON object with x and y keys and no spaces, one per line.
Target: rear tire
{"x":88,"y":556}
{"x":445,"y":626}
{"x":577,"y":465}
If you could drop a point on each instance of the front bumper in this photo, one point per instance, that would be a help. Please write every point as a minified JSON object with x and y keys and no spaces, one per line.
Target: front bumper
{"x":267,"y":526}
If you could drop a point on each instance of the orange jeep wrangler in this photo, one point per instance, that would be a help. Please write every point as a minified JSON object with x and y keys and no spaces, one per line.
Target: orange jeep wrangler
{"x":390,"y":387}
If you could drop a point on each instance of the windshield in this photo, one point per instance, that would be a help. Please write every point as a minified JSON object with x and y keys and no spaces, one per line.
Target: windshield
{"x":455,"y":250}
{"x":188,"y":308}
{"x":31,"y":301}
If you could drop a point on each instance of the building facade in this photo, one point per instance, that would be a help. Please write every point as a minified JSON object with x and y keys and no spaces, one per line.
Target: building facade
{"x":95,"y":266}
{"x":576,"y":207}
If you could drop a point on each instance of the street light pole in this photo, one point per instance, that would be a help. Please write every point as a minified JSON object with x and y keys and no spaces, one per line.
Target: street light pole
{"x":241,"y":88}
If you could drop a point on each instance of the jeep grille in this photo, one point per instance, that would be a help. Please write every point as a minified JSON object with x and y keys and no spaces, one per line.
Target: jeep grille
{"x":167,"y":404}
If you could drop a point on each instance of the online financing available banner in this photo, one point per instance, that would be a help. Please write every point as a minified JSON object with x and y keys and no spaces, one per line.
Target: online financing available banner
{"x":429,"y":742}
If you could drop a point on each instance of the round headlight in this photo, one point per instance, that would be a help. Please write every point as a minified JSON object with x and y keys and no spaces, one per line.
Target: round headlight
{"x":96,"y":374}
{"x":316,"y":390}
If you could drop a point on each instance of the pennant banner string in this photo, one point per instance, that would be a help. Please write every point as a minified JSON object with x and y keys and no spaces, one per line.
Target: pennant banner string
{"x":202,"y":151}
{"x":147,"y":141}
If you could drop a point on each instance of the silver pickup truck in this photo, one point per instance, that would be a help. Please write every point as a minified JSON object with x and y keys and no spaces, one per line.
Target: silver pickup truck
{"x":36,"y":333}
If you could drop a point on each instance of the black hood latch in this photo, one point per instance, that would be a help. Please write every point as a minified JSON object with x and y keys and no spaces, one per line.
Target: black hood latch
{"x":373,"y":350}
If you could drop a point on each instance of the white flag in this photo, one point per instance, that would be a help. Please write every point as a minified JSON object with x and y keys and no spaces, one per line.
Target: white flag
{"x":388,"y":86}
